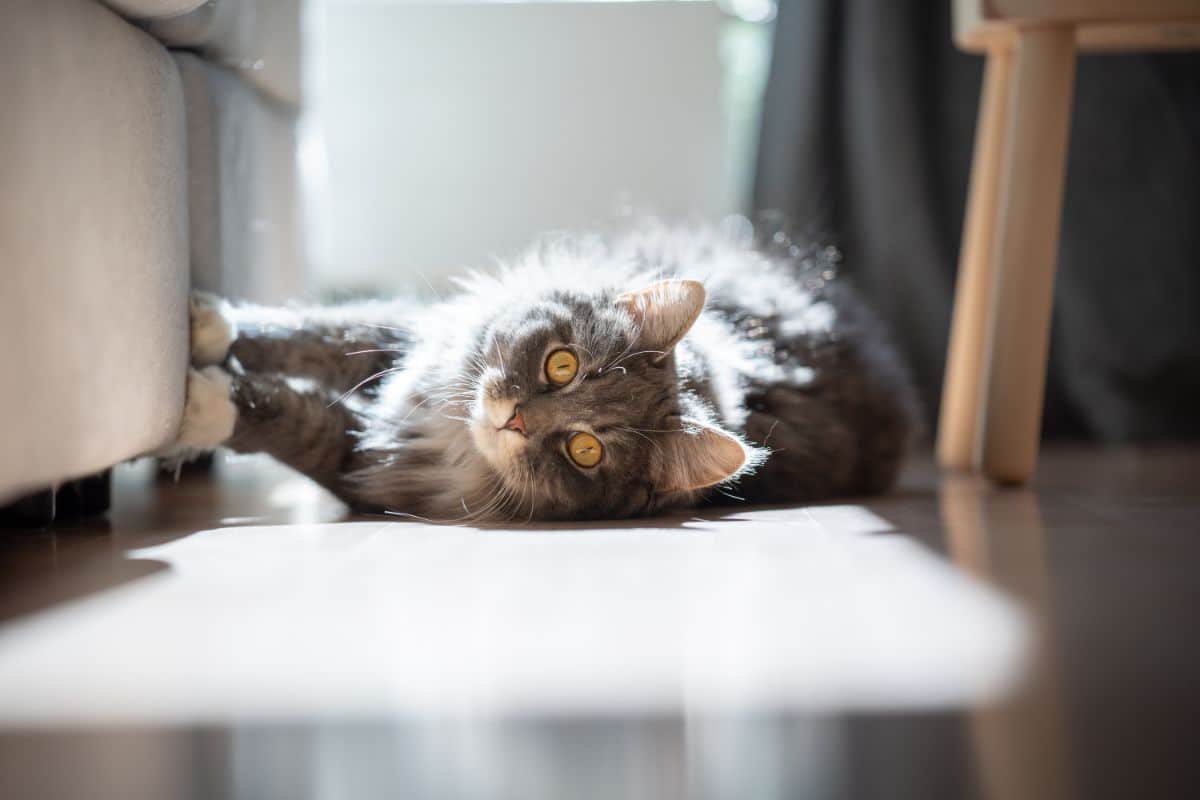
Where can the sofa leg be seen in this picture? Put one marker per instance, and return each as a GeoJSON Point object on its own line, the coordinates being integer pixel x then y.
{"type": "Point", "coordinates": [34, 510]}
{"type": "Point", "coordinates": [86, 497]}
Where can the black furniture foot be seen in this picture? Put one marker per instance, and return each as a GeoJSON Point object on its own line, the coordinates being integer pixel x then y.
{"type": "Point", "coordinates": [84, 497]}
{"type": "Point", "coordinates": [34, 510]}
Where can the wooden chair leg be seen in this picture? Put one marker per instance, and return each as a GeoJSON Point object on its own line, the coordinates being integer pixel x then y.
{"type": "Point", "coordinates": [962, 386]}
{"type": "Point", "coordinates": [1026, 250]}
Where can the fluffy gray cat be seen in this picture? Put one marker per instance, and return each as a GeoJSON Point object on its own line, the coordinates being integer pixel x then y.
{"type": "Point", "coordinates": [590, 379]}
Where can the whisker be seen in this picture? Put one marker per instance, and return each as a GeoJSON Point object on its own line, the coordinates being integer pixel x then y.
{"type": "Point", "coordinates": [384, 327]}
{"type": "Point", "coordinates": [389, 512]}
{"type": "Point", "coordinates": [772, 430]}
{"type": "Point", "coordinates": [500, 356]}
{"type": "Point", "coordinates": [632, 341]}
{"type": "Point", "coordinates": [412, 410]}
{"type": "Point", "coordinates": [361, 383]}
{"type": "Point", "coordinates": [532, 495]}
{"type": "Point", "coordinates": [638, 353]}
{"type": "Point", "coordinates": [375, 350]}
{"type": "Point", "coordinates": [457, 521]}
{"type": "Point", "coordinates": [636, 432]}
{"type": "Point", "coordinates": [436, 293]}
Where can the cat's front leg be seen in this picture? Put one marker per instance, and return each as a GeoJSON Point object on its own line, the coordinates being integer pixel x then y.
{"type": "Point", "coordinates": [339, 347]}
{"type": "Point", "coordinates": [297, 426]}
{"type": "Point", "coordinates": [253, 413]}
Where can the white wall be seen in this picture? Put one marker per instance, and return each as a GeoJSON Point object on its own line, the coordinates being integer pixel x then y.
{"type": "Point", "coordinates": [457, 131]}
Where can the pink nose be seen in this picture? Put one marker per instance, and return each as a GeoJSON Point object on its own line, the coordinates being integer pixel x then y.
{"type": "Point", "coordinates": [516, 423]}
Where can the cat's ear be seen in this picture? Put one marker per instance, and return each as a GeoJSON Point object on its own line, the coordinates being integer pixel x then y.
{"type": "Point", "coordinates": [698, 456]}
{"type": "Point", "coordinates": [664, 312]}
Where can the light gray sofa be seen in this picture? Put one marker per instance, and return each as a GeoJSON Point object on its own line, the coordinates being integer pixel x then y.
{"type": "Point", "coordinates": [130, 171]}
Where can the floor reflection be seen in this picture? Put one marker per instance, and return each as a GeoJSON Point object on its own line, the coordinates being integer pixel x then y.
{"type": "Point", "coordinates": [852, 651]}
{"type": "Point", "coordinates": [1020, 743]}
{"type": "Point", "coordinates": [823, 757]}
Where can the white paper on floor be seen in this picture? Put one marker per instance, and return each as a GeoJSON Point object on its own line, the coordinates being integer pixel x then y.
{"type": "Point", "coordinates": [800, 609]}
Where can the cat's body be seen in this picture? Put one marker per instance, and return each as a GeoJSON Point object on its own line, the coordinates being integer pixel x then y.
{"type": "Point", "coordinates": [585, 381]}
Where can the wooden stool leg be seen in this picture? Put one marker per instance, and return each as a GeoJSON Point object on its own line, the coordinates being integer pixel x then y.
{"type": "Point", "coordinates": [962, 386]}
{"type": "Point", "coordinates": [1025, 250]}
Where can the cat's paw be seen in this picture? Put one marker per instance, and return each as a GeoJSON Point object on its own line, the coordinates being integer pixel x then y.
{"type": "Point", "coordinates": [212, 328]}
{"type": "Point", "coordinates": [209, 415]}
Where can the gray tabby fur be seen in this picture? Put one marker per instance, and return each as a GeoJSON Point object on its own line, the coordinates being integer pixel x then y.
{"type": "Point", "coordinates": [387, 403]}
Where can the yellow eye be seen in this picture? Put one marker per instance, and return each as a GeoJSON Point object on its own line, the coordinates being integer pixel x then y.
{"type": "Point", "coordinates": [561, 366]}
{"type": "Point", "coordinates": [585, 449]}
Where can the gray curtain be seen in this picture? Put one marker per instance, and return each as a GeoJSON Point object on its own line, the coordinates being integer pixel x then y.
{"type": "Point", "coordinates": [866, 141]}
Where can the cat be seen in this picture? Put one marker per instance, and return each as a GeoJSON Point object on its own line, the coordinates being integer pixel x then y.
{"type": "Point", "coordinates": [590, 379]}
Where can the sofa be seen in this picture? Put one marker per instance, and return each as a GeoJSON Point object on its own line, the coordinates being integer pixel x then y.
{"type": "Point", "coordinates": [146, 147]}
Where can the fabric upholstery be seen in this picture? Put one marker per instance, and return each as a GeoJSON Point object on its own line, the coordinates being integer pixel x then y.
{"type": "Point", "coordinates": [259, 39]}
{"type": "Point", "coordinates": [93, 242]}
{"type": "Point", "coordinates": [152, 9]}
{"type": "Point", "coordinates": [241, 175]}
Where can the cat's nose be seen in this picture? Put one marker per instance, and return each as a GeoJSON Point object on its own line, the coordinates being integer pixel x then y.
{"type": "Point", "coordinates": [516, 422]}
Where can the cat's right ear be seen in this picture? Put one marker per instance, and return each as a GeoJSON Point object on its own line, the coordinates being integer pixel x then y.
{"type": "Point", "coordinates": [664, 312]}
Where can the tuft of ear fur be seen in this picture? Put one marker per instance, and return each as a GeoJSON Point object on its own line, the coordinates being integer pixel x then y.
{"type": "Point", "coordinates": [665, 311]}
{"type": "Point", "coordinates": [699, 456]}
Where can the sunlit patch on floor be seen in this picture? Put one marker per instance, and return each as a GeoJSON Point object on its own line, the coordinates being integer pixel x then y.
{"type": "Point", "coordinates": [807, 609]}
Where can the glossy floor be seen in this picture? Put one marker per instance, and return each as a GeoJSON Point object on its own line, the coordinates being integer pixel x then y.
{"type": "Point", "coordinates": [238, 635]}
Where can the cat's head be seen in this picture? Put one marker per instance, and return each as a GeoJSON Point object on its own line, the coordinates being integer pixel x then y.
{"type": "Point", "coordinates": [578, 410]}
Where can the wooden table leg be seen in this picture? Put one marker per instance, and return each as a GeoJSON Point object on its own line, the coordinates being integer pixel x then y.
{"type": "Point", "coordinates": [962, 386]}
{"type": "Point", "coordinates": [1026, 250]}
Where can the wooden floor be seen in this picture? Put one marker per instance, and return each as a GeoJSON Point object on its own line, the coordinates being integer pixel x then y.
{"type": "Point", "coordinates": [238, 635]}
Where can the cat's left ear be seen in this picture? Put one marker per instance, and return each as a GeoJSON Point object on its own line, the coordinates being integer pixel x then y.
{"type": "Point", "coordinates": [700, 455]}
{"type": "Point", "coordinates": [665, 311]}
